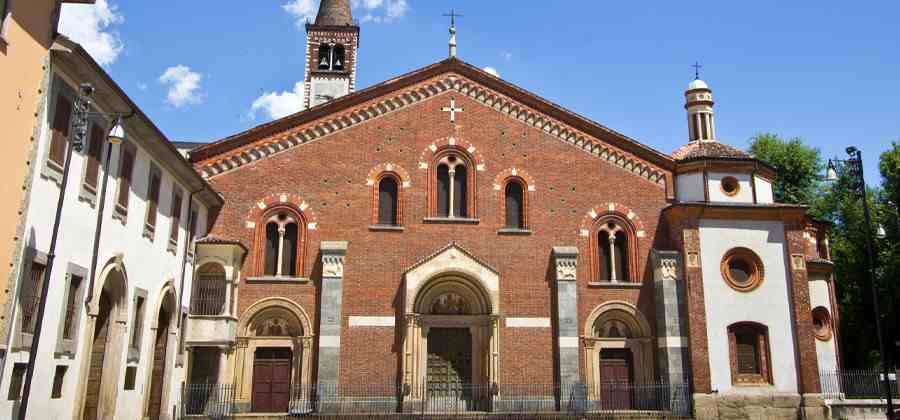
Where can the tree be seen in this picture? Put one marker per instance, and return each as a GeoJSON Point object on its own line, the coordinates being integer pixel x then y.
{"type": "Point", "coordinates": [799, 167]}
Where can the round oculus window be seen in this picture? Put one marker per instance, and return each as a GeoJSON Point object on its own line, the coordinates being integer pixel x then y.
{"type": "Point", "coordinates": [822, 323]}
{"type": "Point", "coordinates": [742, 269]}
{"type": "Point", "coordinates": [730, 186]}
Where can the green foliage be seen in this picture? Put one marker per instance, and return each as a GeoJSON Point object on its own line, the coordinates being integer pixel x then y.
{"type": "Point", "coordinates": [799, 167]}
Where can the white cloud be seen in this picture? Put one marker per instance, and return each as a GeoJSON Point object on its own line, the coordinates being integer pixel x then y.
{"type": "Point", "coordinates": [303, 10]}
{"type": "Point", "coordinates": [184, 86]}
{"type": "Point", "coordinates": [92, 26]}
{"type": "Point", "coordinates": [142, 86]}
{"type": "Point", "coordinates": [492, 71]}
{"type": "Point", "coordinates": [506, 55]}
{"type": "Point", "coordinates": [279, 104]}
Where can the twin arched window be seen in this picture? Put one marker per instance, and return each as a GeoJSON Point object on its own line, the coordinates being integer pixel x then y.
{"type": "Point", "coordinates": [452, 187]}
{"type": "Point", "coordinates": [281, 253]}
{"type": "Point", "coordinates": [332, 57]}
{"type": "Point", "coordinates": [614, 241]}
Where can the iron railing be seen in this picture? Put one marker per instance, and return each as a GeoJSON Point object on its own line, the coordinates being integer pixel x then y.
{"type": "Point", "coordinates": [856, 384]}
{"type": "Point", "coordinates": [208, 401]}
{"type": "Point", "coordinates": [512, 401]}
{"type": "Point", "coordinates": [209, 295]}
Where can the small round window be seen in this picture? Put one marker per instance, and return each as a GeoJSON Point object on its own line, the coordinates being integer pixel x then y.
{"type": "Point", "coordinates": [822, 323]}
{"type": "Point", "coordinates": [730, 186]}
{"type": "Point", "coordinates": [742, 269]}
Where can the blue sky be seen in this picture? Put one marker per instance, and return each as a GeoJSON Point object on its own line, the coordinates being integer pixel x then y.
{"type": "Point", "coordinates": [827, 71]}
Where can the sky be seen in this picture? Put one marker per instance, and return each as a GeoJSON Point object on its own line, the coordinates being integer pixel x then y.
{"type": "Point", "coordinates": [825, 71]}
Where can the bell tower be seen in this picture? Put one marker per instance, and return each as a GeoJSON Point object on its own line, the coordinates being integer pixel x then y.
{"type": "Point", "coordinates": [699, 105]}
{"type": "Point", "coordinates": [332, 42]}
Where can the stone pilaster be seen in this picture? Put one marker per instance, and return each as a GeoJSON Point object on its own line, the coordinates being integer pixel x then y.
{"type": "Point", "coordinates": [670, 324]}
{"type": "Point", "coordinates": [333, 254]}
{"type": "Point", "coordinates": [566, 261]}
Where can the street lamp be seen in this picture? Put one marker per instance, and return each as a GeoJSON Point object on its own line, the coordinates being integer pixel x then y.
{"type": "Point", "coordinates": [81, 117]}
{"type": "Point", "coordinates": [853, 168]}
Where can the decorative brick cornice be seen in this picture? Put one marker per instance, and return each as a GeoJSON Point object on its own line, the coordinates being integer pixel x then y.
{"type": "Point", "coordinates": [500, 179]}
{"type": "Point", "coordinates": [426, 158]}
{"type": "Point", "coordinates": [389, 167]}
{"type": "Point", "coordinates": [449, 76]}
{"type": "Point", "coordinates": [282, 199]}
{"type": "Point", "coordinates": [619, 209]}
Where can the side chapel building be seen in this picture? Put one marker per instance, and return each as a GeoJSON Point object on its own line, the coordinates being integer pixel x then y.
{"type": "Point", "coordinates": [447, 226]}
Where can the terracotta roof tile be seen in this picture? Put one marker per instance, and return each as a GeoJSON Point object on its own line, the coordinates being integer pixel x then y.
{"type": "Point", "coordinates": [709, 150]}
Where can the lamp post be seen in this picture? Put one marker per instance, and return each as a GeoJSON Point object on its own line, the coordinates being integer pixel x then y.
{"type": "Point", "coordinates": [116, 135]}
{"type": "Point", "coordinates": [853, 168]}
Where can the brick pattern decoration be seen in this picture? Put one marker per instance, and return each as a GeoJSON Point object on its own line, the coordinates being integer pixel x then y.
{"type": "Point", "coordinates": [808, 369]}
{"type": "Point", "coordinates": [526, 181]}
{"type": "Point", "coordinates": [330, 177]}
{"type": "Point", "coordinates": [686, 236]}
{"type": "Point", "coordinates": [400, 176]}
{"type": "Point", "coordinates": [329, 124]}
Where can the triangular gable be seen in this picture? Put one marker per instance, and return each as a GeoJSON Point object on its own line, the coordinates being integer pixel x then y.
{"type": "Point", "coordinates": [448, 75]}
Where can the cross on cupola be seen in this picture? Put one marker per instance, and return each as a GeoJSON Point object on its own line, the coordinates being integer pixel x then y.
{"type": "Point", "coordinates": [452, 109]}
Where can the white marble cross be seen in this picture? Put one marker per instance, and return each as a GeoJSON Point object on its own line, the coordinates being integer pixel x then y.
{"type": "Point", "coordinates": [452, 109]}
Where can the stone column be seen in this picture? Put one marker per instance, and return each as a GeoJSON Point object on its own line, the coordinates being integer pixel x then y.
{"type": "Point", "coordinates": [566, 260]}
{"type": "Point", "coordinates": [670, 325]}
{"type": "Point", "coordinates": [333, 254]}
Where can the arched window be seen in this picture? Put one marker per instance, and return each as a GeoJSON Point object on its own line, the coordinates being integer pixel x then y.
{"type": "Point", "coordinates": [452, 184]}
{"type": "Point", "coordinates": [210, 291]}
{"type": "Point", "coordinates": [748, 344]}
{"type": "Point", "coordinates": [613, 252]}
{"type": "Point", "coordinates": [282, 244]}
{"type": "Point", "coordinates": [324, 62]}
{"type": "Point", "coordinates": [515, 205]}
{"type": "Point", "coordinates": [388, 202]}
{"type": "Point", "coordinates": [338, 59]}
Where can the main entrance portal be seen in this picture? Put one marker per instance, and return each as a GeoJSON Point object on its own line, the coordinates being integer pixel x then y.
{"type": "Point", "coordinates": [272, 380]}
{"type": "Point", "coordinates": [449, 359]}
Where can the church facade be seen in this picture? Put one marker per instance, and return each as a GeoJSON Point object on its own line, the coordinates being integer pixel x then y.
{"type": "Point", "coordinates": [447, 227]}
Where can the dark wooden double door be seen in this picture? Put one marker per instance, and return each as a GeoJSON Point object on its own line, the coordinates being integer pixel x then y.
{"type": "Point", "coordinates": [272, 380]}
{"type": "Point", "coordinates": [616, 379]}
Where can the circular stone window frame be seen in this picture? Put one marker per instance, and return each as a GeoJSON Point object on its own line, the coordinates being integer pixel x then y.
{"type": "Point", "coordinates": [827, 332]}
{"type": "Point", "coordinates": [735, 184]}
{"type": "Point", "coordinates": [752, 259]}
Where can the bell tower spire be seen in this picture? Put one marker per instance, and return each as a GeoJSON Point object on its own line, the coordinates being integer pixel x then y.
{"type": "Point", "coordinates": [699, 105]}
{"type": "Point", "coordinates": [332, 42]}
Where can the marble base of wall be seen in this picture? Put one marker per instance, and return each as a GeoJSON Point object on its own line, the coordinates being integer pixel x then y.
{"type": "Point", "coordinates": [856, 409]}
{"type": "Point", "coordinates": [768, 406]}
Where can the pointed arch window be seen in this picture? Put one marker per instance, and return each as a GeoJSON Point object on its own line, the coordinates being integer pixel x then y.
{"type": "Point", "coordinates": [388, 201]}
{"type": "Point", "coordinates": [614, 245]}
{"type": "Point", "coordinates": [280, 244]}
{"type": "Point", "coordinates": [514, 204]}
{"type": "Point", "coordinates": [453, 184]}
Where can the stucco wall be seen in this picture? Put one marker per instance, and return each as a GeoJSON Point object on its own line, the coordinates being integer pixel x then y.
{"type": "Point", "coordinates": [690, 187]}
{"type": "Point", "coordinates": [148, 264]}
{"type": "Point", "coordinates": [24, 42]}
{"type": "Point", "coordinates": [766, 305]}
{"type": "Point", "coordinates": [744, 194]}
{"type": "Point", "coordinates": [825, 350]}
{"type": "Point", "coordinates": [764, 193]}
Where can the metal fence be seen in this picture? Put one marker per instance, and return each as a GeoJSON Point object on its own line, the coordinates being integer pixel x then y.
{"type": "Point", "coordinates": [510, 401]}
{"type": "Point", "coordinates": [208, 401]}
{"type": "Point", "coordinates": [856, 384]}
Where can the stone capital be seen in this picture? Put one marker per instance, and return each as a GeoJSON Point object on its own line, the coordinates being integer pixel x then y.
{"type": "Point", "coordinates": [566, 260]}
{"type": "Point", "coordinates": [666, 265]}
{"type": "Point", "coordinates": [333, 255]}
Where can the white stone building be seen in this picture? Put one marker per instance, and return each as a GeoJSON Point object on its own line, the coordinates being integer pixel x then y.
{"type": "Point", "coordinates": [109, 348]}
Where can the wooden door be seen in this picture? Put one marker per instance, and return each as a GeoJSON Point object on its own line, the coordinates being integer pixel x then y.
{"type": "Point", "coordinates": [449, 358]}
{"type": "Point", "coordinates": [272, 380]}
{"type": "Point", "coordinates": [157, 376]}
{"type": "Point", "coordinates": [98, 354]}
{"type": "Point", "coordinates": [616, 375]}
